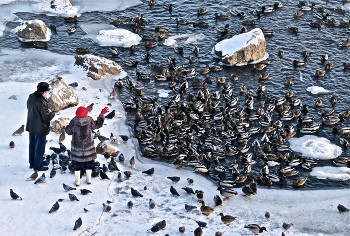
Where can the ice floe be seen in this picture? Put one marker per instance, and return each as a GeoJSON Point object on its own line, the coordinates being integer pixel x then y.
{"type": "Point", "coordinates": [330, 172]}
{"type": "Point", "coordinates": [316, 90]}
{"type": "Point", "coordinates": [178, 40]}
{"type": "Point", "coordinates": [315, 147]}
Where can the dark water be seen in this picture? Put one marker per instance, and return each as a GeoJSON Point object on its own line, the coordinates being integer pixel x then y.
{"type": "Point", "coordinates": [318, 42]}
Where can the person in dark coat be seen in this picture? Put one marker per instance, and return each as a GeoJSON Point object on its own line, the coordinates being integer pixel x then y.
{"type": "Point", "coordinates": [38, 123]}
{"type": "Point", "coordinates": [83, 151]}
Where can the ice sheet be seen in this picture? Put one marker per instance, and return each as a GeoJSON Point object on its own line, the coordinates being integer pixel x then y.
{"type": "Point", "coordinates": [178, 40]}
{"type": "Point", "coordinates": [315, 147]}
{"type": "Point", "coordinates": [316, 90]}
{"type": "Point", "coordinates": [333, 173]}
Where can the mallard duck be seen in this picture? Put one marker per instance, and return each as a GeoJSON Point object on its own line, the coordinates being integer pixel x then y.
{"type": "Point", "coordinates": [195, 49]}
{"type": "Point", "coordinates": [227, 219]}
{"type": "Point", "coordinates": [280, 53]}
{"type": "Point", "coordinates": [327, 112]}
{"type": "Point", "coordinates": [138, 91]}
{"type": "Point", "coordinates": [71, 19]}
{"type": "Point", "coordinates": [152, 2]}
{"type": "Point", "coordinates": [247, 190]}
{"type": "Point", "coordinates": [318, 102]}
{"type": "Point", "coordinates": [82, 50]}
{"type": "Point", "coordinates": [254, 187]}
{"type": "Point", "coordinates": [150, 45]}
{"type": "Point", "coordinates": [277, 5]}
{"type": "Point", "coordinates": [344, 24]}
{"type": "Point", "coordinates": [330, 22]}
{"type": "Point", "coordinates": [201, 11]}
{"type": "Point", "coordinates": [161, 36]}
{"type": "Point", "coordinates": [320, 73]}
{"type": "Point", "coordinates": [192, 59]}
{"type": "Point", "coordinates": [53, 28]}
{"type": "Point", "coordinates": [329, 66]}
{"type": "Point", "coordinates": [346, 66]}
{"type": "Point", "coordinates": [307, 8]}
{"type": "Point", "coordinates": [217, 200]}
{"type": "Point", "coordinates": [200, 195]}
{"type": "Point", "coordinates": [221, 17]}
{"type": "Point", "coordinates": [256, 229]}
{"type": "Point", "coordinates": [221, 80]}
{"type": "Point", "coordinates": [298, 63]}
{"type": "Point", "coordinates": [305, 54]}
{"type": "Point", "coordinates": [116, 23]}
{"type": "Point", "coordinates": [40, 44]}
{"type": "Point", "coordinates": [148, 37]}
{"type": "Point", "coordinates": [200, 24]}
{"type": "Point", "coordinates": [299, 182]}
{"type": "Point", "coordinates": [131, 63]}
{"type": "Point", "coordinates": [289, 94]}
{"type": "Point", "coordinates": [237, 13]}
{"type": "Point", "coordinates": [198, 232]}
{"type": "Point", "coordinates": [346, 43]}
{"type": "Point", "coordinates": [298, 14]}
{"type": "Point", "coordinates": [227, 192]}
{"type": "Point", "coordinates": [267, 10]}
{"type": "Point", "coordinates": [179, 50]}
{"type": "Point", "coordinates": [161, 29]}
{"type": "Point", "coordinates": [181, 22]}
{"type": "Point", "coordinates": [293, 29]}
{"type": "Point", "coordinates": [344, 114]}
{"type": "Point", "coordinates": [72, 30]}
{"type": "Point", "coordinates": [168, 7]}
{"type": "Point", "coordinates": [340, 10]}
{"type": "Point", "coordinates": [333, 100]}
{"type": "Point", "coordinates": [259, 66]}
{"type": "Point", "coordinates": [206, 210]}
{"type": "Point", "coordinates": [114, 51]}
{"type": "Point", "coordinates": [248, 22]}
{"type": "Point", "coordinates": [132, 48]}
{"type": "Point", "coordinates": [240, 180]}
{"type": "Point", "coordinates": [263, 76]}
{"type": "Point", "coordinates": [288, 82]}
{"type": "Point", "coordinates": [223, 30]}
{"type": "Point", "coordinates": [315, 24]}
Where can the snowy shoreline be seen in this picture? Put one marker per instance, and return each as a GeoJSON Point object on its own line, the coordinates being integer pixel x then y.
{"type": "Point", "coordinates": [291, 206]}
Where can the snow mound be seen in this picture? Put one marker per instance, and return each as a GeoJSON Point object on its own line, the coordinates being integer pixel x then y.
{"type": "Point", "coordinates": [163, 93]}
{"type": "Point", "coordinates": [315, 147]}
{"type": "Point", "coordinates": [316, 90]}
{"type": "Point", "coordinates": [175, 41]}
{"type": "Point", "coordinates": [58, 7]}
{"type": "Point", "coordinates": [333, 173]}
{"type": "Point", "coordinates": [118, 38]}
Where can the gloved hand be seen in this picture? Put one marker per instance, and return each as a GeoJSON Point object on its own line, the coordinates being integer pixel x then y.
{"type": "Point", "coordinates": [105, 110]}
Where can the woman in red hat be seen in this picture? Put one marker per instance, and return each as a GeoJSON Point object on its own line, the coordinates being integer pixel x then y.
{"type": "Point", "coordinates": [83, 151]}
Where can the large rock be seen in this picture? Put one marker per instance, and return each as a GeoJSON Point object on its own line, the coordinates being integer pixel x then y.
{"type": "Point", "coordinates": [97, 66]}
{"type": "Point", "coordinates": [33, 30]}
{"type": "Point", "coordinates": [242, 48]}
{"type": "Point", "coordinates": [62, 95]}
{"type": "Point", "coordinates": [104, 147]}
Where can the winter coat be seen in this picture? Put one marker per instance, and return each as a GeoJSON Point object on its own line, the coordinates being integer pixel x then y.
{"type": "Point", "coordinates": [82, 145]}
{"type": "Point", "coordinates": [38, 117]}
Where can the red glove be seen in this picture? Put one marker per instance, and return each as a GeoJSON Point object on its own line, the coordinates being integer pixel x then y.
{"type": "Point", "coordinates": [105, 110]}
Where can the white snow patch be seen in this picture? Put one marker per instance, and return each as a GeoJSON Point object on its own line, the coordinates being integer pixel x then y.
{"type": "Point", "coordinates": [163, 93]}
{"type": "Point", "coordinates": [316, 90]}
{"type": "Point", "coordinates": [330, 172]}
{"type": "Point", "coordinates": [118, 38]}
{"type": "Point", "coordinates": [315, 147]}
{"type": "Point", "coordinates": [62, 8]}
{"type": "Point", "coordinates": [177, 40]}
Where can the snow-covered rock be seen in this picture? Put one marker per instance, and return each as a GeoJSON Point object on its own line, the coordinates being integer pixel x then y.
{"type": "Point", "coordinates": [242, 48]}
{"type": "Point", "coordinates": [118, 38]}
{"type": "Point", "coordinates": [58, 7]}
{"type": "Point", "coordinates": [33, 30]}
{"type": "Point", "coordinates": [103, 147]}
{"type": "Point", "coordinates": [58, 124]}
{"type": "Point", "coordinates": [316, 90]}
{"type": "Point", "coordinates": [97, 66]}
{"type": "Point", "coordinates": [61, 95]}
{"type": "Point", "coordinates": [315, 147]}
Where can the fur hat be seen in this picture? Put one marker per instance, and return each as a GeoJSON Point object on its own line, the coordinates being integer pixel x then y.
{"type": "Point", "coordinates": [42, 87]}
{"type": "Point", "coordinates": [81, 112]}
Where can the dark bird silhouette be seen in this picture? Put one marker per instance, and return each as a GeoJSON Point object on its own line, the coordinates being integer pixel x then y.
{"type": "Point", "coordinates": [127, 174]}
{"type": "Point", "coordinates": [55, 149]}
{"type": "Point", "coordinates": [85, 191]}
{"type": "Point", "coordinates": [190, 181]}
{"type": "Point", "coordinates": [19, 131]}
{"type": "Point", "coordinates": [62, 135]}
{"type": "Point", "coordinates": [41, 179]}
{"type": "Point", "coordinates": [74, 84]}
{"type": "Point", "coordinates": [342, 208]}
{"type": "Point", "coordinates": [124, 137]}
{"type": "Point", "coordinates": [182, 230]}
{"type": "Point", "coordinates": [77, 224]}
{"type": "Point", "coordinates": [90, 107]}
{"type": "Point", "coordinates": [53, 28]}
{"type": "Point", "coordinates": [106, 208]}
{"type": "Point", "coordinates": [72, 197]}
{"type": "Point", "coordinates": [86, 210]}
{"type": "Point", "coordinates": [189, 207]}
{"type": "Point", "coordinates": [162, 224]}
{"type": "Point", "coordinates": [12, 144]}
{"type": "Point", "coordinates": [121, 157]}
{"type": "Point", "coordinates": [267, 215]}
{"type": "Point", "coordinates": [130, 204]}
{"type": "Point", "coordinates": [110, 115]}
{"type": "Point", "coordinates": [175, 179]}
{"type": "Point", "coordinates": [52, 173]}
{"type": "Point", "coordinates": [55, 207]}
{"type": "Point", "coordinates": [201, 224]}
{"type": "Point", "coordinates": [62, 148]}
{"type": "Point", "coordinates": [136, 193]}
{"type": "Point", "coordinates": [152, 204]}
{"type": "Point", "coordinates": [198, 231]}
{"type": "Point", "coordinates": [188, 190]}
{"type": "Point", "coordinates": [286, 226]}
{"type": "Point", "coordinates": [155, 228]}
{"type": "Point", "coordinates": [149, 172]}
{"type": "Point", "coordinates": [67, 187]}
{"type": "Point", "coordinates": [103, 175]}
{"type": "Point", "coordinates": [173, 191]}
{"type": "Point", "coordinates": [14, 195]}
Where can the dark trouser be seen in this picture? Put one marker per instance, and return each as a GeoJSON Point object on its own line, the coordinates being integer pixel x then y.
{"type": "Point", "coordinates": [88, 165]}
{"type": "Point", "coordinates": [36, 150]}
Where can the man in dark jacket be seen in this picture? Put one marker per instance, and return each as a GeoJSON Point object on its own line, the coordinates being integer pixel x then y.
{"type": "Point", "coordinates": [38, 123]}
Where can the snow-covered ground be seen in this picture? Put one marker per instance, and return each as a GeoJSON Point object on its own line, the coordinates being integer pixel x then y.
{"type": "Point", "coordinates": [311, 212]}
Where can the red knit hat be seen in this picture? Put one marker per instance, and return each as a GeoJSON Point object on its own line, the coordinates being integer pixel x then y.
{"type": "Point", "coordinates": [81, 112]}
